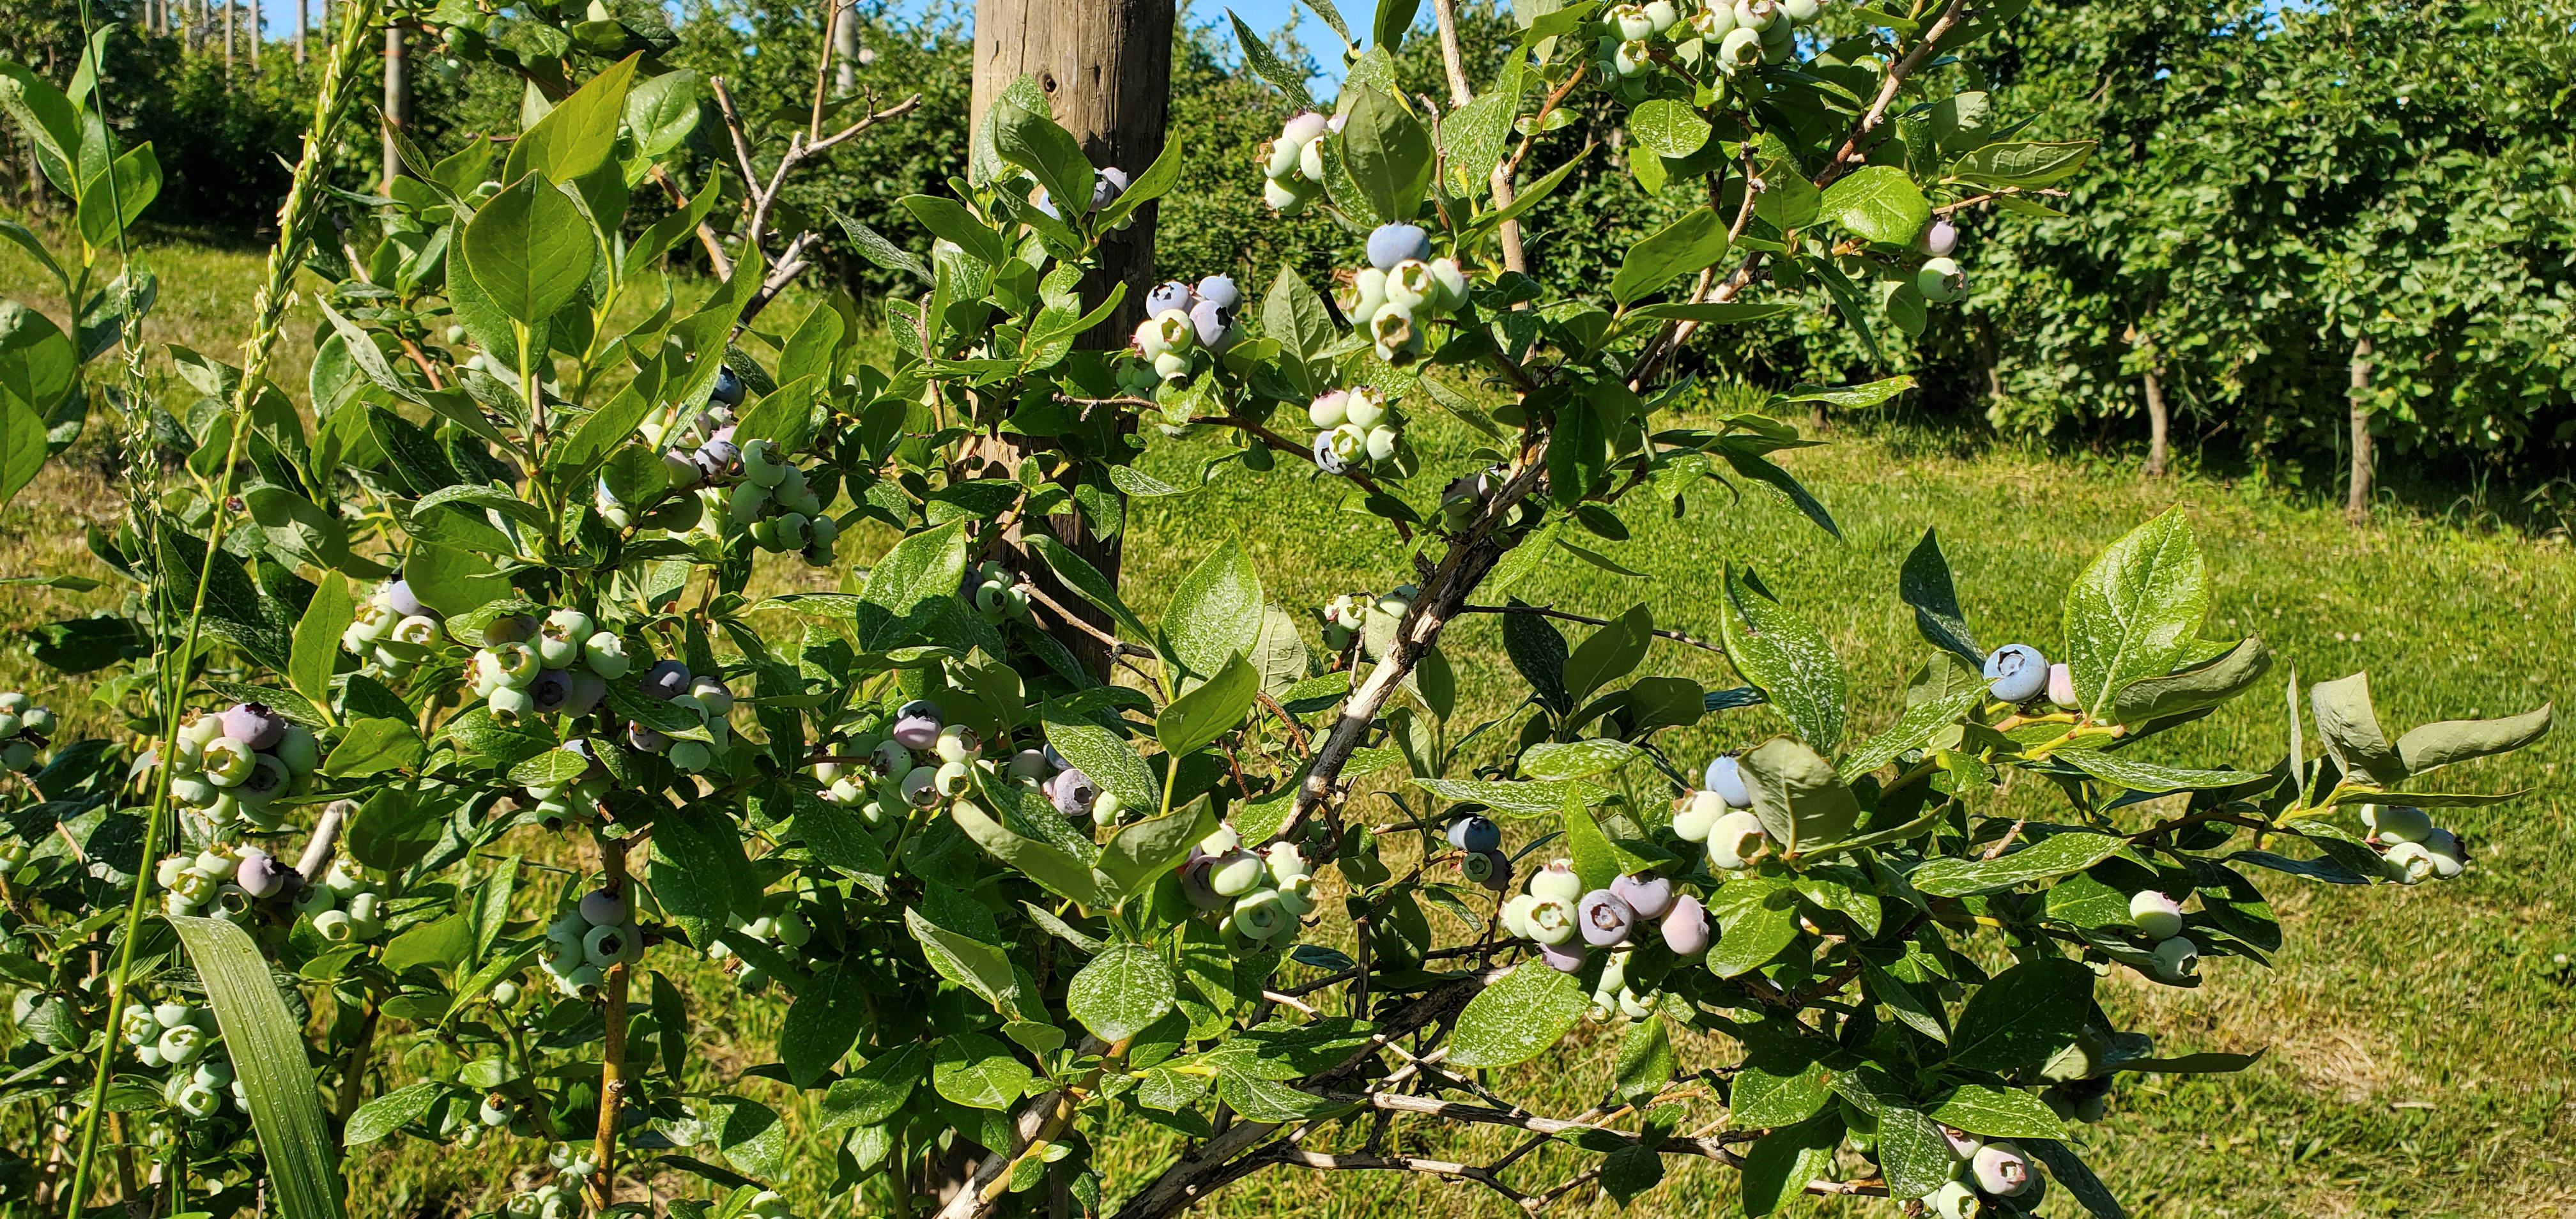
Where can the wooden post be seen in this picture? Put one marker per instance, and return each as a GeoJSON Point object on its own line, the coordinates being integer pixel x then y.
{"type": "Point", "coordinates": [2357, 504]}
{"type": "Point", "coordinates": [2159, 420]}
{"type": "Point", "coordinates": [397, 102]}
{"type": "Point", "coordinates": [255, 38]}
{"type": "Point", "coordinates": [229, 6]}
{"type": "Point", "coordinates": [1105, 67]}
{"type": "Point", "coordinates": [299, 32]}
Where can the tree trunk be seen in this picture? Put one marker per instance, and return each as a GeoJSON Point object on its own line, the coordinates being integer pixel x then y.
{"type": "Point", "coordinates": [254, 35]}
{"type": "Point", "coordinates": [229, 6]}
{"type": "Point", "coordinates": [299, 32]}
{"type": "Point", "coordinates": [1105, 67]}
{"type": "Point", "coordinates": [2159, 426]}
{"type": "Point", "coordinates": [845, 49]}
{"type": "Point", "coordinates": [397, 102]}
{"type": "Point", "coordinates": [2357, 504]}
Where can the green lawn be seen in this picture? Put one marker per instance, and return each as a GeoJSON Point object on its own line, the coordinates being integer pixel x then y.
{"type": "Point", "coordinates": [2420, 1043]}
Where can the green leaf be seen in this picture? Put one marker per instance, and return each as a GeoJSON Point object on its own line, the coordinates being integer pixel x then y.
{"type": "Point", "coordinates": [2047, 859]}
{"type": "Point", "coordinates": [1798, 795]}
{"type": "Point", "coordinates": [1668, 128]}
{"type": "Point", "coordinates": [1516, 800]}
{"type": "Point", "coordinates": [2132, 615]}
{"type": "Point", "coordinates": [2077, 1179]}
{"type": "Point", "coordinates": [530, 250]}
{"type": "Point", "coordinates": [1690, 244]}
{"type": "Point", "coordinates": [1924, 583]}
{"type": "Point", "coordinates": [1473, 137]}
{"type": "Point", "coordinates": [1521, 1016]}
{"type": "Point", "coordinates": [1577, 759]}
{"type": "Point", "coordinates": [1208, 711]}
{"type": "Point", "coordinates": [1769, 1092]}
{"type": "Point", "coordinates": [823, 1023]}
{"type": "Point", "coordinates": [966, 961]}
{"type": "Point", "coordinates": [374, 746]}
{"type": "Point", "coordinates": [661, 111]}
{"type": "Point", "coordinates": [1029, 138]}
{"type": "Point", "coordinates": [22, 440]}
{"type": "Point", "coordinates": [1912, 1153]}
{"type": "Point", "coordinates": [908, 590]}
{"type": "Point", "coordinates": [874, 1092]}
{"type": "Point", "coordinates": [1612, 652]}
{"type": "Point", "coordinates": [2023, 163]}
{"type": "Point", "coordinates": [1781, 1163]}
{"type": "Point", "coordinates": [575, 138]}
{"type": "Point", "coordinates": [1142, 851]}
{"type": "Point", "coordinates": [1387, 153]}
{"type": "Point", "coordinates": [1788, 659]}
{"type": "Point", "coordinates": [949, 219]}
{"type": "Point", "coordinates": [1645, 1061]}
{"type": "Point", "coordinates": [391, 1112]}
{"type": "Point", "coordinates": [1258, 56]}
{"type": "Point", "coordinates": [978, 1072]}
{"type": "Point", "coordinates": [1999, 1113]}
{"type": "Point", "coordinates": [2022, 1016]}
{"type": "Point", "coordinates": [698, 871]}
{"type": "Point", "coordinates": [317, 638]}
{"type": "Point", "coordinates": [267, 1048]}
{"type": "Point", "coordinates": [1942, 690]}
{"type": "Point", "coordinates": [2138, 776]}
{"type": "Point", "coordinates": [2192, 689]}
{"type": "Point", "coordinates": [1394, 17]}
{"type": "Point", "coordinates": [1124, 989]}
{"type": "Point", "coordinates": [452, 582]}
{"type": "Point", "coordinates": [1919, 1014]}
{"type": "Point", "coordinates": [1755, 929]}
{"type": "Point", "coordinates": [1079, 575]}
{"type": "Point", "coordinates": [1049, 865]}
{"type": "Point", "coordinates": [2436, 745]}
{"type": "Point", "coordinates": [105, 211]}
{"type": "Point", "coordinates": [1215, 611]}
{"type": "Point", "coordinates": [1880, 204]}
{"type": "Point", "coordinates": [2346, 719]}
{"type": "Point", "coordinates": [1099, 754]}
{"type": "Point", "coordinates": [1712, 313]}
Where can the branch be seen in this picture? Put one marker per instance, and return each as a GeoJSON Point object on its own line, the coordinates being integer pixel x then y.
{"type": "Point", "coordinates": [1284, 1154]}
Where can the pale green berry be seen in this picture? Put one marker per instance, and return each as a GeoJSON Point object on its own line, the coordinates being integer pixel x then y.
{"type": "Point", "coordinates": [1558, 882]}
{"type": "Point", "coordinates": [1698, 815]}
{"type": "Point", "coordinates": [2155, 915]}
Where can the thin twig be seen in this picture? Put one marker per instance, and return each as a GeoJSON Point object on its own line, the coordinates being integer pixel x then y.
{"type": "Point", "coordinates": [1588, 620]}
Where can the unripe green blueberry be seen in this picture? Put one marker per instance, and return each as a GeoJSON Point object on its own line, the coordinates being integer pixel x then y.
{"type": "Point", "coordinates": [1392, 329]}
{"type": "Point", "coordinates": [1954, 1200]}
{"type": "Point", "coordinates": [2155, 915]}
{"type": "Point", "coordinates": [1779, 42]}
{"type": "Point", "coordinates": [1412, 285]}
{"type": "Point", "coordinates": [1557, 881]}
{"type": "Point", "coordinates": [505, 993]}
{"type": "Point", "coordinates": [1451, 280]}
{"type": "Point", "coordinates": [2177, 959]}
{"type": "Point", "coordinates": [1550, 919]}
{"type": "Point", "coordinates": [9, 724]}
{"type": "Point", "coordinates": [1698, 815]}
{"type": "Point", "coordinates": [2409, 863]}
{"type": "Point", "coordinates": [1165, 333]}
{"type": "Point", "coordinates": [14, 701]}
{"type": "Point", "coordinates": [1285, 200]}
{"type": "Point", "coordinates": [335, 926]}
{"type": "Point", "coordinates": [1712, 23]}
{"type": "Point", "coordinates": [958, 743]}
{"type": "Point", "coordinates": [954, 779]}
{"type": "Point", "coordinates": [605, 655]}
{"type": "Point", "coordinates": [1801, 11]}
{"type": "Point", "coordinates": [1662, 15]}
{"type": "Point", "coordinates": [604, 946]}
{"type": "Point", "coordinates": [1515, 915]}
{"type": "Point", "coordinates": [19, 755]}
{"type": "Point", "coordinates": [1631, 22]}
{"type": "Point", "coordinates": [1740, 49]}
{"type": "Point", "coordinates": [1632, 59]}
{"type": "Point", "coordinates": [1941, 281]}
{"type": "Point", "coordinates": [1365, 407]}
{"type": "Point", "coordinates": [1755, 15]}
{"type": "Point", "coordinates": [2444, 848]}
{"type": "Point", "coordinates": [1259, 915]}
{"type": "Point", "coordinates": [510, 705]}
{"type": "Point", "coordinates": [690, 757]}
{"type": "Point", "coordinates": [299, 749]}
{"type": "Point", "coordinates": [2397, 822]}
{"type": "Point", "coordinates": [584, 983]}
{"type": "Point", "coordinates": [363, 921]}
{"type": "Point", "coordinates": [1235, 873]}
{"type": "Point", "coordinates": [1381, 443]}
{"type": "Point", "coordinates": [1734, 840]}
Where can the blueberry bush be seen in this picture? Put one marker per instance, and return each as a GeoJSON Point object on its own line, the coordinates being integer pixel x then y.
{"type": "Point", "coordinates": [476, 646]}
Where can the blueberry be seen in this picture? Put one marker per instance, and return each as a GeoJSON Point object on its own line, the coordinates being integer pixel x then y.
{"type": "Point", "coordinates": [1740, 49]}
{"type": "Point", "coordinates": [254, 724]}
{"type": "Point", "coordinates": [398, 598]}
{"type": "Point", "coordinates": [551, 692]}
{"type": "Point", "coordinates": [1726, 777]}
{"type": "Point", "coordinates": [1632, 22]}
{"type": "Point", "coordinates": [1213, 324]}
{"type": "Point", "coordinates": [1394, 243]}
{"type": "Point", "coordinates": [2002, 1170]}
{"type": "Point", "coordinates": [1603, 918]}
{"type": "Point", "coordinates": [2017, 673]}
{"type": "Point", "coordinates": [1685, 926]}
{"type": "Point", "coordinates": [2159, 917]}
{"type": "Point", "coordinates": [1492, 869]}
{"type": "Point", "coordinates": [1564, 958]}
{"type": "Point", "coordinates": [1941, 281]}
{"type": "Point", "coordinates": [1220, 290]}
{"type": "Point", "coordinates": [728, 388]}
{"type": "Point", "coordinates": [2061, 686]}
{"type": "Point", "coordinates": [1474, 833]}
{"type": "Point", "coordinates": [1169, 295]}
{"type": "Point", "coordinates": [917, 731]}
{"type": "Point", "coordinates": [1734, 840]}
{"type": "Point", "coordinates": [1646, 893]}
{"type": "Point", "coordinates": [666, 680]}
{"type": "Point", "coordinates": [2178, 959]}
{"type": "Point", "coordinates": [261, 875]}
{"type": "Point", "coordinates": [1557, 881]}
{"type": "Point", "coordinates": [2386, 822]}
{"type": "Point", "coordinates": [1106, 186]}
{"type": "Point", "coordinates": [1072, 792]}
{"type": "Point", "coordinates": [1939, 238]}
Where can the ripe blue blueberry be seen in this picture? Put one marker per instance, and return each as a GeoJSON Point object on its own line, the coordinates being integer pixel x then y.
{"type": "Point", "coordinates": [1221, 290]}
{"type": "Point", "coordinates": [254, 724]}
{"type": "Point", "coordinates": [2017, 673]}
{"type": "Point", "coordinates": [1939, 238]}
{"type": "Point", "coordinates": [1685, 926]}
{"type": "Point", "coordinates": [398, 598]}
{"type": "Point", "coordinates": [1564, 957]}
{"type": "Point", "coordinates": [1474, 833]}
{"type": "Point", "coordinates": [1172, 294]}
{"type": "Point", "coordinates": [1603, 918]}
{"type": "Point", "coordinates": [551, 691]}
{"type": "Point", "coordinates": [1106, 185]}
{"type": "Point", "coordinates": [1394, 243]}
{"type": "Point", "coordinates": [1213, 323]}
{"type": "Point", "coordinates": [1646, 893]}
{"type": "Point", "coordinates": [666, 680]}
{"type": "Point", "coordinates": [728, 388]}
{"type": "Point", "coordinates": [1726, 777]}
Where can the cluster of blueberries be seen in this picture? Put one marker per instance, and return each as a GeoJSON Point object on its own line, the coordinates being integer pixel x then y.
{"type": "Point", "coordinates": [583, 942]}
{"type": "Point", "coordinates": [182, 1039]}
{"type": "Point", "coordinates": [24, 731]}
{"type": "Point", "coordinates": [1346, 617]}
{"type": "Point", "coordinates": [1258, 897]}
{"type": "Point", "coordinates": [1740, 35]}
{"type": "Point", "coordinates": [1292, 165]}
{"type": "Point", "coordinates": [1985, 1169]}
{"type": "Point", "coordinates": [748, 487]}
{"type": "Point", "coordinates": [392, 631]}
{"type": "Point", "coordinates": [2411, 847]}
{"type": "Point", "coordinates": [235, 763]}
{"type": "Point", "coordinates": [994, 592]}
{"type": "Point", "coordinates": [780, 925]}
{"type": "Point", "coordinates": [1184, 322]}
{"type": "Point", "coordinates": [1354, 427]}
{"type": "Point", "coordinates": [1402, 290]}
{"type": "Point", "coordinates": [915, 759]}
{"type": "Point", "coordinates": [1106, 185]}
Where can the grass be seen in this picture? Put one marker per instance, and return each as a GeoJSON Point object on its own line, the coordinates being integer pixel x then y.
{"type": "Point", "coordinates": [2420, 1043]}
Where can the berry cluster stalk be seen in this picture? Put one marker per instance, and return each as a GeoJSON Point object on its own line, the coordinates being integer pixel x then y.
{"type": "Point", "coordinates": [294, 236]}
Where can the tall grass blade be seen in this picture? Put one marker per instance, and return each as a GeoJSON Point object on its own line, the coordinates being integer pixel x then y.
{"type": "Point", "coordinates": [267, 1045]}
